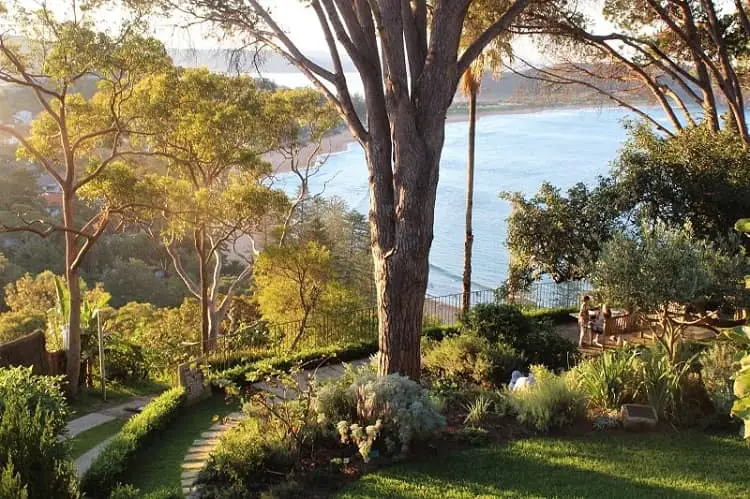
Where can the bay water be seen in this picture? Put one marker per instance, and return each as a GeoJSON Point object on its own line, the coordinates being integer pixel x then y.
{"type": "Point", "coordinates": [514, 152]}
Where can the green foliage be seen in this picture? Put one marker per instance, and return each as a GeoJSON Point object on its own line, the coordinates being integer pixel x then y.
{"type": "Point", "coordinates": [389, 411]}
{"type": "Point", "coordinates": [741, 408]}
{"type": "Point", "coordinates": [718, 366]}
{"type": "Point", "coordinates": [552, 402]}
{"type": "Point", "coordinates": [558, 236]}
{"type": "Point", "coordinates": [556, 315]}
{"type": "Point", "coordinates": [112, 463]}
{"type": "Point", "coordinates": [131, 492]}
{"type": "Point", "coordinates": [14, 325]}
{"type": "Point", "coordinates": [439, 333]}
{"type": "Point", "coordinates": [648, 271]}
{"type": "Point", "coordinates": [133, 280]}
{"type": "Point", "coordinates": [608, 380]}
{"type": "Point", "coordinates": [251, 367]}
{"type": "Point", "coordinates": [11, 485]}
{"type": "Point", "coordinates": [32, 419]}
{"type": "Point", "coordinates": [531, 336]}
{"type": "Point", "coordinates": [470, 358]}
{"type": "Point", "coordinates": [239, 465]}
{"type": "Point", "coordinates": [661, 381]}
{"type": "Point", "coordinates": [32, 294]}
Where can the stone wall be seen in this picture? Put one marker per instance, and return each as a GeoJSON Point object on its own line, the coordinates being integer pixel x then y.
{"type": "Point", "coordinates": [190, 376]}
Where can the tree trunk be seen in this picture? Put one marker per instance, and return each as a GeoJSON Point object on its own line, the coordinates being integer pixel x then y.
{"type": "Point", "coordinates": [73, 341]}
{"type": "Point", "coordinates": [203, 276]}
{"type": "Point", "coordinates": [469, 237]}
{"type": "Point", "coordinates": [401, 251]}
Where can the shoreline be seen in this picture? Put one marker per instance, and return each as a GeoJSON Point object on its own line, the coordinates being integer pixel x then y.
{"type": "Point", "coordinates": [339, 141]}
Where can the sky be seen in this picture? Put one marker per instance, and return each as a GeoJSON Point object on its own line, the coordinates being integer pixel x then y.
{"type": "Point", "coordinates": [299, 21]}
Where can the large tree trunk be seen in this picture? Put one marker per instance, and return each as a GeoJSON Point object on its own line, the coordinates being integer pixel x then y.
{"type": "Point", "coordinates": [469, 236]}
{"type": "Point", "coordinates": [73, 341]}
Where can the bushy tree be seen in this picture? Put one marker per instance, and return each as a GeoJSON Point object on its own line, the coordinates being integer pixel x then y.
{"type": "Point", "coordinates": [661, 274]}
{"type": "Point", "coordinates": [134, 281]}
{"type": "Point", "coordinates": [33, 413]}
{"type": "Point", "coordinates": [75, 138]}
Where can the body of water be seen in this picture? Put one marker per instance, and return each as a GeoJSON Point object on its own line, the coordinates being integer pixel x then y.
{"type": "Point", "coordinates": [514, 152]}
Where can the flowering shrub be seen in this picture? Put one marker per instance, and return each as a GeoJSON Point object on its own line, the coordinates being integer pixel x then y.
{"type": "Point", "coordinates": [391, 410]}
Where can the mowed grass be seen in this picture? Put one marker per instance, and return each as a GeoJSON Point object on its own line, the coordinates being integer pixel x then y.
{"type": "Point", "coordinates": [608, 465]}
{"type": "Point", "coordinates": [90, 438]}
{"type": "Point", "coordinates": [158, 465]}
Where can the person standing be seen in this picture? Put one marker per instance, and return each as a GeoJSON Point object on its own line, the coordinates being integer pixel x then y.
{"type": "Point", "coordinates": [583, 318]}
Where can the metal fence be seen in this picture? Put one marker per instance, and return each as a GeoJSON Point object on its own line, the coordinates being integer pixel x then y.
{"type": "Point", "coordinates": [447, 309]}
{"type": "Point", "coordinates": [362, 325]}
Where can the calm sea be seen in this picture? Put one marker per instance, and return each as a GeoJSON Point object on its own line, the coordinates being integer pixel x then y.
{"type": "Point", "coordinates": [515, 152]}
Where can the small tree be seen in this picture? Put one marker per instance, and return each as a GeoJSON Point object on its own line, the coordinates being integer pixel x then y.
{"type": "Point", "coordinates": [292, 281]}
{"type": "Point", "coordinates": [661, 273]}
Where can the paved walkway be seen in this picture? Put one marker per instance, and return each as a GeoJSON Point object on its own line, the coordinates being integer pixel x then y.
{"type": "Point", "coordinates": [197, 456]}
{"type": "Point", "coordinates": [88, 421]}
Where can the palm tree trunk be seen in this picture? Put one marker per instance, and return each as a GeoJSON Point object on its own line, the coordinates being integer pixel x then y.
{"type": "Point", "coordinates": [469, 237]}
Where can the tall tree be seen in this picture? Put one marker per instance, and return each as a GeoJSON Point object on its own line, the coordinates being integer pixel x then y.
{"type": "Point", "coordinates": [74, 139]}
{"type": "Point", "coordinates": [213, 189]}
{"type": "Point", "coordinates": [471, 81]}
{"type": "Point", "coordinates": [408, 58]}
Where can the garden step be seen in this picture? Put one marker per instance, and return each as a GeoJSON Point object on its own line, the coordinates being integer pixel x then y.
{"type": "Point", "coordinates": [210, 434]}
{"type": "Point", "coordinates": [193, 465]}
{"type": "Point", "coordinates": [201, 456]}
{"type": "Point", "coordinates": [189, 474]}
{"type": "Point", "coordinates": [201, 447]}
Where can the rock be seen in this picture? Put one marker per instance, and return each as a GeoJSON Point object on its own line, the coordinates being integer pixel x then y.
{"type": "Point", "coordinates": [638, 417]}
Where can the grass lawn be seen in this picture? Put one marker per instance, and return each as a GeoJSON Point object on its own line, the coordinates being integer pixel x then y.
{"type": "Point", "coordinates": [90, 399]}
{"type": "Point", "coordinates": [602, 465]}
{"type": "Point", "coordinates": [159, 464]}
{"type": "Point", "coordinates": [88, 439]}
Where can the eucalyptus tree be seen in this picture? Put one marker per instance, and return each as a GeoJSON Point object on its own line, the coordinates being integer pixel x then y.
{"type": "Point", "coordinates": [687, 56]}
{"type": "Point", "coordinates": [74, 139]}
{"type": "Point", "coordinates": [408, 56]}
{"type": "Point", "coordinates": [210, 188]}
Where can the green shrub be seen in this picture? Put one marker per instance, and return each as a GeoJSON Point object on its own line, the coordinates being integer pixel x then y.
{"type": "Point", "coordinates": [470, 358]}
{"type": "Point", "coordinates": [11, 486]}
{"type": "Point", "coordinates": [391, 411]}
{"type": "Point", "coordinates": [239, 467]}
{"type": "Point", "coordinates": [111, 465]}
{"type": "Point", "coordinates": [553, 402]}
{"type": "Point", "coordinates": [608, 380]}
{"type": "Point", "coordinates": [535, 338]}
{"type": "Point", "coordinates": [494, 322]}
{"type": "Point", "coordinates": [661, 380]}
{"type": "Point", "coordinates": [32, 418]}
{"type": "Point", "coordinates": [131, 492]}
{"type": "Point", "coordinates": [558, 315]}
{"type": "Point", "coordinates": [440, 332]}
{"type": "Point", "coordinates": [123, 360]}
{"type": "Point", "coordinates": [251, 367]}
{"type": "Point", "coordinates": [14, 325]}
{"type": "Point", "coordinates": [718, 366]}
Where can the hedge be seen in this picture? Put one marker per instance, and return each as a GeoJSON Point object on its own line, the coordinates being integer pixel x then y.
{"type": "Point", "coordinates": [560, 315]}
{"type": "Point", "coordinates": [256, 366]}
{"type": "Point", "coordinates": [111, 465]}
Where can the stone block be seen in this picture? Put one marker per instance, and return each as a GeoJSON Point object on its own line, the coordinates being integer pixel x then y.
{"type": "Point", "coordinates": [638, 417]}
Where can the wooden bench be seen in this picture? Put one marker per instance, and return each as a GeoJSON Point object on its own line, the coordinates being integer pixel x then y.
{"type": "Point", "coordinates": [619, 325]}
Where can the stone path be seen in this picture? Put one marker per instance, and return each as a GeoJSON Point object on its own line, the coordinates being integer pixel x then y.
{"type": "Point", "coordinates": [198, 454]}
{"type": "Point", "coordinates": [88, 421]}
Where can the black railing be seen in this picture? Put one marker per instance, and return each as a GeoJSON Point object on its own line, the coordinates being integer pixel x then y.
{"type": "Point", "coordinates": [352, 326]}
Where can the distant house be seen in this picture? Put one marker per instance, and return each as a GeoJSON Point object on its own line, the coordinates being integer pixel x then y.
{"type": "Point", "coordinates": [53, 200]}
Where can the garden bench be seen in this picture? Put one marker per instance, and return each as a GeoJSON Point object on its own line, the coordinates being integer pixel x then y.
{"type": "Point", "coordinates": [618, 325]}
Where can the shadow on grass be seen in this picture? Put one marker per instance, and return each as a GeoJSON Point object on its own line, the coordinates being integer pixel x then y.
{"type": "Point", "coordinates": [685, 466]}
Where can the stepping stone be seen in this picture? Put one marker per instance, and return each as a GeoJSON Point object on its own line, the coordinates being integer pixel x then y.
{"type": "Point", "coordinates": [210, 434]}
{"type": "Point", "coordinates": [197, 456]}
{"type": "Point", "coordinates": [202, 448]}
{"type": "Point", "coordinates": [194, 465]}
{"type": "Point", "coordinates": [189, 474]}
